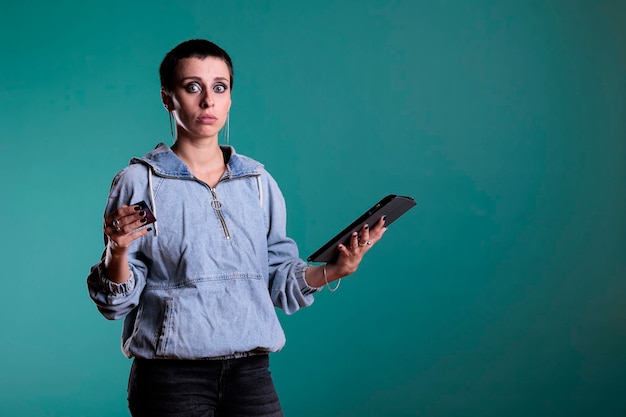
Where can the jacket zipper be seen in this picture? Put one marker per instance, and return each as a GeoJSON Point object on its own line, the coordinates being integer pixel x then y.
{"type": "Point", "coordinates": [217, 206]}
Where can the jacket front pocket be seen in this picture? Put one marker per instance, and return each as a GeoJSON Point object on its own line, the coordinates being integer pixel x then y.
{"type": "Point", "coordinates": [165, 330]}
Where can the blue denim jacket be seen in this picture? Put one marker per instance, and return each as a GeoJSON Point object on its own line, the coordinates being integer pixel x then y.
{"type": "Point", "coordinates": [205, 282]}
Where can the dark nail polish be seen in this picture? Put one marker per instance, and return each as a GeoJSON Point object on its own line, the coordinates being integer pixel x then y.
{"type": "Point", "coordinates": [137, 208]}
{"type": "Point", "coordinates": [149, 229]}
{"type": "Point", "coordinates": [144, 220]}
{"type": "Point", "coordinates": [367, 226]}
{"type": "Point", "coordinates": [142, 213]}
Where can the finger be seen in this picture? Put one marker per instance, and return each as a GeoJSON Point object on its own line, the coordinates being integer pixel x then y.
{"type": "Point", "coordinates": [112, 225]}
{"type": "Point", "coordinates": [365, 236]}
{"type": "Point", "coordinates": [140, 232]}
{"type": "Point", "coordinates": [354, 240]}
{"type": "Point", "coordinates": [375, 236]}
{"type": "Point", "coordinates": [123, 240]}
{"type": "Point", "coordinates": [134, 221]}
{"type": "Point", "coordinates": [112, 221]}
{"type": "Point", "coordinates": [141, 221]}
{"type": "Point", "coordinates": [124, 210]}
{"type": "Point", "coordinates": [344, 251]}
{"type": "Point", "coordinates": [116, 225]}
{"type": "Point", "coordinates": [124, 217]}
{"type": "Point", "coordinates": [379, 224]}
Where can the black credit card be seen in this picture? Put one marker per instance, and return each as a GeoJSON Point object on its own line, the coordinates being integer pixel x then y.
{"type": "Point", "coordinates": [149, 216]}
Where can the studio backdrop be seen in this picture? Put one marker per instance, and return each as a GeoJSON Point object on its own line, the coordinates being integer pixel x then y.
{"type": "Point", "coordinates": [500, 294]}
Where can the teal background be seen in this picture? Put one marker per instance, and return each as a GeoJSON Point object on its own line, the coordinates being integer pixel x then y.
{"type": "Point", "coordinates": [501, 293]}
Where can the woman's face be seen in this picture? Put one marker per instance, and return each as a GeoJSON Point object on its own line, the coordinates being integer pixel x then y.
{"type": "Point", "coordinates": [200, 100]}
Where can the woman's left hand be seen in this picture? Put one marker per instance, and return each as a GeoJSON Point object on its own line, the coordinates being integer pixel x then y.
{"type": "Point", "coordinates": [350, 256]}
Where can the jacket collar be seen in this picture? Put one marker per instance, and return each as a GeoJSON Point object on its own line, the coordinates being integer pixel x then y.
{"type": "Point", "coordinates": [164, 162]}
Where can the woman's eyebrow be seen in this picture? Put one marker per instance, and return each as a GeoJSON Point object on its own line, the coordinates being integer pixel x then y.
{"type": "Point", "coordinates": [221, 79]}
{"type": "Point", "coordinates": [195, 78]}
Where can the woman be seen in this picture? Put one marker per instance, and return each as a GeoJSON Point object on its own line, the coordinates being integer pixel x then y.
{"type": "Point", "coordinates": [197, 289]}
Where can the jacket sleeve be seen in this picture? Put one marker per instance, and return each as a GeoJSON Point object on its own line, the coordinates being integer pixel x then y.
{"type": "Point", "coordinates": [114, 300]}
{"type": "Point", "coordinates": [288, 287]}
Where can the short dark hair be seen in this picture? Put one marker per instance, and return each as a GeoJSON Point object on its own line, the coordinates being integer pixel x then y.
{"type": "Point", "coordinates": [197, 48]}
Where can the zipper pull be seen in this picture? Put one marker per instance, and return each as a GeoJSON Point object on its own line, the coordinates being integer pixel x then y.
{"type": "Point", "coordinates": [216, 204]}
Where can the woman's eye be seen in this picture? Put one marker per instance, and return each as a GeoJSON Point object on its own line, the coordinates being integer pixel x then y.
{"type": "Point", "coordinates": [219, 88]}
{"type": "Point", "coordinates": [193, 88]}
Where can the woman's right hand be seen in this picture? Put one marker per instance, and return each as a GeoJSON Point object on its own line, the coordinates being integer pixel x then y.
{"type": "Point", "coordinates": [121, 227]}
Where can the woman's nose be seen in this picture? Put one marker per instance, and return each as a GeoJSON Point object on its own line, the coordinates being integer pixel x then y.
{"type": "Point", "coordinates": [207, 101]}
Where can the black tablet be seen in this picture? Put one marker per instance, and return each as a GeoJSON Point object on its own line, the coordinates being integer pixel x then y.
{"type": "Point", "coordinates": [392, 206]}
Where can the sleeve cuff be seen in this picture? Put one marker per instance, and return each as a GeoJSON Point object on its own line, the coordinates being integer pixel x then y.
{"type": "Point", "coordinates": [304, 286]}
{"type": "Point", "coordinates": [113, 287]}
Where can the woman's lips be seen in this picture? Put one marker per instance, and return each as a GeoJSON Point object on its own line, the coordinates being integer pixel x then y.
{"type": "Point", "coordinates": [207, 119]}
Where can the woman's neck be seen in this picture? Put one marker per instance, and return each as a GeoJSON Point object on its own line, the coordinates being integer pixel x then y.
{"type": "Point", "coordinates": [204, 159]}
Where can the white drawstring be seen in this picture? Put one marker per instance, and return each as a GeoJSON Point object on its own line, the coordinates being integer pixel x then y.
{"type": "Point", "coordinates": [156, 227]}
{"type": "Point", "coordinates": [260, 185]}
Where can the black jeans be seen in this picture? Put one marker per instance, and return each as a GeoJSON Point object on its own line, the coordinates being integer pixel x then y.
{"type": "Point", "coordinates": [205, 388]}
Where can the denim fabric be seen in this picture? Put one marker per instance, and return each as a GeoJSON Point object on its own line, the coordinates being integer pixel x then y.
{"type": "Point", "coordinates": [206, 285]}
{"type": "Point", "coordinates": [222, 388]}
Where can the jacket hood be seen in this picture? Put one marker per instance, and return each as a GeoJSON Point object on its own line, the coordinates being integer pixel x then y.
{"type": "Point", "coordinates": [164, 162]}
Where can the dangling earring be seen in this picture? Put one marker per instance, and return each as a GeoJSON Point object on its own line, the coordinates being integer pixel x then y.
{"type": "Point", "coordinates": [227, 130]}
{"type": "Point", "coordinates": [169, 113]}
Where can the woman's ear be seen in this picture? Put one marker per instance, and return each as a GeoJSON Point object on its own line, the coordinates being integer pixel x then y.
{"type": "Point", "coordinates": [167, 100]}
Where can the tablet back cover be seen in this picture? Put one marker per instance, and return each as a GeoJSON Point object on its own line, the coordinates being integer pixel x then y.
{"type": "Point", "coordinates": [392, 206]}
